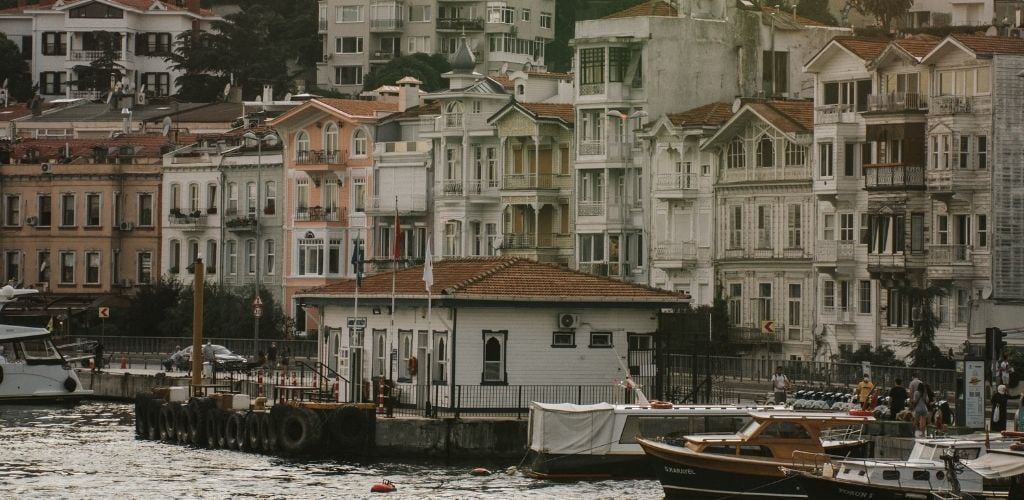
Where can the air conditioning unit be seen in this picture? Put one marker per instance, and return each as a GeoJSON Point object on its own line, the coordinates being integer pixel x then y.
{"type": "Point", "coordinates": [32, 221]}
{"type": "Point", "coordinates": [127, 226]}
{"type": "Point", "coordinates": [45, 168]}
{"type": "Point", "coordinates": [566, 320]}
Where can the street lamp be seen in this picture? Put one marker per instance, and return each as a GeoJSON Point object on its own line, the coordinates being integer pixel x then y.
{"type": "Point", "coordinates": [271, 138]}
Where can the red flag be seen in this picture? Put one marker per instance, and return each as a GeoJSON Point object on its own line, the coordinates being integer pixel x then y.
{"type": "Point", "coordinates": [397, 253]}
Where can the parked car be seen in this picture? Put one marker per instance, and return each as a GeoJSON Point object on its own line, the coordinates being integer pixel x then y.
{"type": "Point", "coordinates": [224, 359]}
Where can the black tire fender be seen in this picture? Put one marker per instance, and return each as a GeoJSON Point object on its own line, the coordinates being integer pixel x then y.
{"type": "Point", "coordinates": [268, 434]}
{"type": "Point", "coordinates": [212, 430]}
{"type": "Point", "coordinates": [234, 427]}
{"type": "Point", "coordinates": [346, 426]}
{"type": "Point", "coordinates": [70, 384]}
{"type": "Point", "coordinates": [252, 431]}
{"type": "Point", "coordinates": [299, 430]}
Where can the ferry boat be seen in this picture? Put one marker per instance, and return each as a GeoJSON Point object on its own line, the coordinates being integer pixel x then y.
{"type": "Point", "coordinates": [32, 368]}
{"type": "Point", "coordinates": [923, 473]}
{"type": "Point", "coordinates": [747, 464]}
{"type": "Point", "coordinates": [598, 441]}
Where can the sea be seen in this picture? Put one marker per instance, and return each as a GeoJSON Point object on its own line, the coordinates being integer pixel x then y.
{"type": "Point", "coordinates": [90, 451]}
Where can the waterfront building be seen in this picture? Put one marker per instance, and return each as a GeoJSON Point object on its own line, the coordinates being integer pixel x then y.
{"type": "Point", "coordinates": [362, 35]}
{"type": "Point", "coordinates": [577, 328]}
{"type": "Point", "coordinates": [82, 119]}
{"type": "Point", "coordinates": [61, 38]}
{"type": "Point", "coordinates": [328, 174]}
{"type": "Point", "coordinates": [635, 66]}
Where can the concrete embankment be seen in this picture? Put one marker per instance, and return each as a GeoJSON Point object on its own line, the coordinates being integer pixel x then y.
{"type": "Point", "coordinates": [124, 385]}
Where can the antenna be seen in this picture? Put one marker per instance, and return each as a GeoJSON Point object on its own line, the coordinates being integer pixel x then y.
{"type": "Point", "coordinates": [167, 126]}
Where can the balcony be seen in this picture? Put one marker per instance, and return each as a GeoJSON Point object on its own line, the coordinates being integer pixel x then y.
{"type": "Point", "coordinates": [590, 209]}
{"type": "Point", "coordinates": [759, 174]}
{"type": "Point", "coordinates": [481, 187]}
{"type": "Point", "coordinates": [675, 185]}
{"type": "Point", "coordinates": [899, 102]}
{"type": "Point", "coordinates": [535, 181]}
{"type": "Point", "coordinates": [530, 241]}
{"type": "Point", "coordinates": [456, 124]}
{"type": "Point", "coordinates": [81, 55]}
{"type": "Point", "coordinates": [385, 25]}
{"type": "Point", "coordinates": [830, 255]}
{"type": "Point", "coordinates": [959, 104]}
{"type": "Point", "coordinates": [319, 214]}
{"type": "Point", "coordinates": [450, 188]}
{"type": "Point", "coordinates": [195, 221]}
{"type": "Point", "coordinates": [608, 269]}
{"type": "Point", "coordinates": [835, 113]}
{"type": "Point", "coordinates": [674, 254]}
{"type": "Point", "coordinates": [893, 176]}
{"type": "Point", "coordinates": [592, 89]}
{"type": "Point", "coordinates": [405, 204]}
{"type": "Point", "coordinates": [319, 161]}
{"type": "Point", "coordinates": [384, 55]}
{"type": "Point", "coordinates": [750, 333]}
{"type": "Point", "coordinates": [837, 315]}
{"type": "Point", "coordinates": [90, 95]}
{"type": "Point", "coordinates": [460, 24]}
{"type": "Point", "coordinates": [242, 224]}
{"type": "Point", "coordinates": [882, 265]}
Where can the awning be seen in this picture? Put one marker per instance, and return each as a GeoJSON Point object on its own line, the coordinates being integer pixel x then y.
{"type": "Point", "coordinates": [998, 464]}
{"type": "Point", "coordinates": [571, 429]}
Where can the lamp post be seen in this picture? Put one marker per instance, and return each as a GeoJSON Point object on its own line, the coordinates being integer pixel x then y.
{"type": "Point", "coordinates": [271, 138]}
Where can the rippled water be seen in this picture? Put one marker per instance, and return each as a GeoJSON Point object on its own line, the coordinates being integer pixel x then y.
{"type": "Point", "coordinates": [90, 451]}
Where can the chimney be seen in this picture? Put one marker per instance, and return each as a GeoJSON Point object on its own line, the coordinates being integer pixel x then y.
{"type": "Point", "coordinates": [408, 93]}
{"type": "Point", "coordinates": [193, 5]}
{"type": "Point", "coordinates": [268, 93]}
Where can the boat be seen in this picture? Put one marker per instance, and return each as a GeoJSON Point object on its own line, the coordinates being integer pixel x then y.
{"type": "Point", "coordinates": [598, 441]}
{"type": "Point", "coordinates": [746, 464]}
{"type": "Point", "coordinates": [924, 472]}
{"type": "Point", "coordinates": [32, 368]}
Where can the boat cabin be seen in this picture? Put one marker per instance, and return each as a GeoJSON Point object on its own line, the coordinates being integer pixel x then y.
{"type": "Point", "coordinates": [779, 435]}
{"type": "Point", "coordinates": [28, 345]}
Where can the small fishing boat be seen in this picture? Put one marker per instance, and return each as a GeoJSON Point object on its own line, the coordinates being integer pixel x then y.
{"type": "Point", "coordinates": [32, 368]}
{"type": "Point", "coordinates": [746, 464]}
{"type": "Point", "coordinates": [598, 441]}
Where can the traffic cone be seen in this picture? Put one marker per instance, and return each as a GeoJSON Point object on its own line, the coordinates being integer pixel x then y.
{"type": "Point", "coordinates": [124, 362]}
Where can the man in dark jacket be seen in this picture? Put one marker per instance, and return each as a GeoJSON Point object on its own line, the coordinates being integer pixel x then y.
{"type": "Point", "coordinates": [97, 356]}
{"type": "Point", "coordinates": [897, 399]}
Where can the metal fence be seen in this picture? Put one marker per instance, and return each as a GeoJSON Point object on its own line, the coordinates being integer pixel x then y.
{"type": "Point", "coordinates": [441, 401]}
{"type": "Point", "coordinates": [165, 346]}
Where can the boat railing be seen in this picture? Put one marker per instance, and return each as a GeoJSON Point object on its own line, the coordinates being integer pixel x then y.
{"type": "Point", "coordinates": [807, 460]}
{"type": "Point", "coordinates": [851, 433]}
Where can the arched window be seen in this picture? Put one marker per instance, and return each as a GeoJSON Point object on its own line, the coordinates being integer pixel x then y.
{"type": "Point", "coordinates": [494, 357]}
{"type": "Point", "coordinates": [175, 197]}
{"type": "Point", "coordinates": [453, 115]}
{"type": "Point", "coordinates": [302, 146]}
{"type": "Point", "coordinates": [440, 360]}
{"type": "Point", "coordinates": [359, 141]}
{"type": "Point", "coordinates": [765, 151]}
{"type": "Point", "coordinates": [737, 154]}
{"type": "Point", "coordinates": [331, 138]}
{"type": "Point", "coordinates": [211, 256]}
{"type": "Point", "coordinates": [796, 155]}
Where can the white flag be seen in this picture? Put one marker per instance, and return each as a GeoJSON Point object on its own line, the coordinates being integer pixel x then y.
{"type": "Point", "coordinates": [428, 269]}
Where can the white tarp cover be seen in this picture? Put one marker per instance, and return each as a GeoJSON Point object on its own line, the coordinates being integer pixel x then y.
{"type": "Point", "coordinates": [571, 429]}
{"type": "Point", "coordinates": [998, 464]}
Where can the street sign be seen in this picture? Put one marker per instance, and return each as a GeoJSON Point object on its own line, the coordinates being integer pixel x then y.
{"type": "Point", "coordinates": [256, 301]}
{"type": "Point", "coordinates": [104, 312]}
{"type": "Point", "coordinates": [767, 327]}
{"type": "Point", "coordinates": [257, 311]}
{"type": "Point", "coordinates": [359, 322]}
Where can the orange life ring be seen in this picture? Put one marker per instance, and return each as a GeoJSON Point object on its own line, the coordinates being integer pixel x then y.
{"type": "Point", "coordinates": [660, 405]}
{"type": "Point", "coordinates": [862, 413]}
{"type": "Point", "coordinates": [413, 365]}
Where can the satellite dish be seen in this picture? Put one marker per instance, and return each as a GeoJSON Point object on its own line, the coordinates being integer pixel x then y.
{"type": "Point", "coordinates": [142, 89]}
{"type": "Point", "coordinates": [167, 126]}
{"type": "Point", "coordinates": [227, 89]}
{"type": "Point", "coordinates": [986, 293]}
{"type": "Point", "coordinates": [737, 104]}
{"type": "Point", "coordinates": [288, 96]}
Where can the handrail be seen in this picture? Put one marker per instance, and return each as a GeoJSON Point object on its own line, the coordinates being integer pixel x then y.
{"type": "Point", "coordinates": [320, 374]}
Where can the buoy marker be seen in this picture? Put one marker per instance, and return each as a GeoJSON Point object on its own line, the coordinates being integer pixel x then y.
{"type": "Point", "coordinates": [384, 486]}
{"type": "Point", "coordinates": [480, 471]}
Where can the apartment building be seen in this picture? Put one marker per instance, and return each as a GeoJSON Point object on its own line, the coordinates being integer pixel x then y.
{"type": "Point", "coordinates": [359, 35]}
{"type": "Point", "coordinates": [61, 38]}
{"type": "Point", "coordinates": [80, 216]}
{"type": "Point", "coordinates": [635, 66]}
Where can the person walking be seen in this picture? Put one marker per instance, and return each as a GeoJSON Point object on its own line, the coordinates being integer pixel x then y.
{"type": "Point", "coordinates": [897, 399]}
{"type": "Point", "coordinates": [914, 382]}
{"type": "Point", "coordinates": [780, 384]}
{"type": "Point", "coordinates": [921, 400]}
{"type": "Point", "coordinates": [210, 357]}
{"type": "Point", "coordinates": [1003, 371]}
{"type": "Point", "coordinates": [864, 388]}
{"type": "Point", "coordinates": [999, 401]}
{"type": "Point", "coordinates": [97, 355]}
{"type": "Point", "coordinates": [272, 355]}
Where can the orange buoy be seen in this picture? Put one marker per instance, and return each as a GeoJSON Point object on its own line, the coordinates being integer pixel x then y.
{"type": "Point", "coordinates": [480, 471]}
{"type": "Point", "coordinates": [384, 486]}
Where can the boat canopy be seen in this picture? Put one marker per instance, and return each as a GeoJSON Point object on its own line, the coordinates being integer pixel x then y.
{"type": "Point", "coordinates": [998, 464]}
{"type": "Point", "coordinates": [9, 333]}
{"type": "Point", "coordinates": [572, 429]}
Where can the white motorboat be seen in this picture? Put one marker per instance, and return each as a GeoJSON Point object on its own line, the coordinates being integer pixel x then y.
{"type": "Point", "coordinates": [32, 368]}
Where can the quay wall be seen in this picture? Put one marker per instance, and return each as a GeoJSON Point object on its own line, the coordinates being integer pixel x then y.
{"type": "Point", "coordinates": [124, 386]}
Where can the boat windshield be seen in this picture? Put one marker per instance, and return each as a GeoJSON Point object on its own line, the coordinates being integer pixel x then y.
{"type": "Point", "coordinates": [934, 451]}
{"type": "Point", "coordinates": [749, 429]}
{"type": "Point", "coordinates": [40, 348]}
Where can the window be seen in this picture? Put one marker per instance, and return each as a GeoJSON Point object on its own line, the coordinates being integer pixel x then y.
{"type": "Point", "coordinates": [359, 193]}
{"type": "Point", "coordinates": [349, 14]}
{"type": "Point", "coordinates": [524, 15]}
{"type": "Point", "coordinates": [193, 197]}
{"type": "Point", "coordinates": [591, 248]}
{"type": "Point", "coordinates": [45, 210]}
{"type": "Point", "coordinates": [916, 232]}
{"type": "Point", "coordinates": [232, 257]}
{"type": "Point", "coordinates": [250, 198]}
{"type": "Point", "coordinates": [864, 297]}
{"type": "Point", "coordinates": [12, 210]}
{"type": "Point", "coordinates": [145, 209]}
{"type": "Point", "coordinates": [849, 95]}
{"type": "Point", "coordinates": [982, 151]}
{"type": "Point", "coordinates": [404, 353]}
{"type": "Point", "coordinates": [794, 224]}
{"type": "Point", "coordinates": [311, 257]}
{"type": "Point", "coordinates": [157, 84]}
{"type": "Point", "coordinates": [302, 146]}
{"type": "Point", "coordinates": [67, 209]}
{"type": "Point", "coordinates": [775, 72]}
{"type": "Point", "coordinates": [145, 267]}
{"type": "Point", "coordinates": [941, 230]}
{"type": "Point", "coordinates": [491, 233]}
{"type": "Point", "coordinates": [828, 295]}
{"type": "Point", "coordinates": [12, 265]}
{"type": "Point", "coordinates": [193, 252]}
{"type": "Point", "coordinates": [965, 151]}
{"type": "Point", "coordinates": [270, 198]}
{"type": "Point", "coordinates": [439, 370]}
{"type": "Point", "coordinates": [736, 227]}
{"type": "Point", "coordinates": [175, 197]}
{"type": "Point", "coordinates": [211, 256]}
{"type": "Point", "coordinates": [765, 152]}
{"type": "Point", "coordinates": [67, 268]}
{"type": "Point", "coordinates": [796, 155]}
{"type": "Point", "coordinates": [640, 342]}
{"type": "Point", "coordinates": [152, 44]}
{"type": "Point", "coordinates": [416, 44]}
{"type": "Point", "coordinates": [174, 259]}
{"type": "Point", "coordinates": [92, 209]}
{"type": "Point", "coordinates": [232, 208]}
{"type": "Point", "coordinates": [618, 63]}
{"type": "Point", "coordinates": [499, 12]}
{"type": "Point", "coordinates": [963, 304]}
{"type": "Point", "coordinates": [52, 82]}
{"type": "Point", "coordinates": [494, 357]}
{"type": "Point", "coordinates": [546, 20]}
{"type": "Point", "coordinates": [44, 267]}
{"type": "Point", "coordinates": [359, 142]}
{"type": "Point", "coordinates": [55, 43]}
{"type": "Point", "coordinates": [764, 292]}
{"type": "Point", "coordinates": [736, 156]}
{"type": "Point", "coordinates": [764, 226]}
{"type": "Point", "coordinates": [982, 225]}
{"type": "Point", "coordinates": [250, 256]}
{"type": "Point", "coordinates": [302, 194]}
{"type": "Point", "coordinates": [600, 340]}
{"type": "Point", "coordinates": [865, 232]}
{"type": "Point", "coordinates": [268, 256]}
{"type": "Point", "coordinates": [92, 268]}
{"type": "Point", "coordinates": [378, 352]}
{"type": "Point", "coordinates": [419, 13]}
{"type": "Point", "coordinates": [348, 45]}
{"type": "Point", "coordinates": [846, 231]}
{"type": "Point", "coordinates": [563, 339]}
{"type": "Point", "coordinates": [849, 159]}
{"type": "Point", "coordinates": [795, 308]}
{"type": "Point", "coordinates": [828, 227]}
{"type": "Point", "coordinates": [334, 256]}
{"type": "Point", "coordinates": [735, 304]}
{"type": "Point", "coordinates": [825, 167]}
{"type": "Point", "coordinates": [591, 66]}
{"type": "Point", "coordinates": [348, 75]}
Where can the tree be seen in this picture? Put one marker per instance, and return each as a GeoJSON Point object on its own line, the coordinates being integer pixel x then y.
{"type": "Point", "coordinates": [817, 10]}
{"type": "Point", "coordinates": [102, 71]}
{"type": "Point", "coordinates": [924, 352]}
{"type": "Point", "coordinates": [151, 308]}
{"type": "Point", "coordinates": [887, 11]}
{"type": "Point", "coordinates": [427, 68]}
{"type": "Point", "coordinates": [880, 355]}
{"type": "Point", "coordinates": [15, 70]}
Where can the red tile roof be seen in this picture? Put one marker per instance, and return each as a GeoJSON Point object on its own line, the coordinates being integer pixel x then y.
{"type": "Point", "coordinates": [789, 15]}
{"type": "Point", "coordinates": [147, 146]}
{"type": "Point", "coordinates": [564, 112]}
{"type": "Point", "coordinates": [427, 108]}
{"type": "Point", "coordinates": [659, 8]}
{"type": "Point", "coordinates": [988, 45]}
{"type": "Point", "coordinates": [501, 278]}
{"type": "Point", "coordinates": [355, 107]}
{"type": "Point", "coordinates": [864, 48]}
{"type": "Point", "coordinates": [919, 45]}
{"type": "Point", "coordinates": [715, 113]}
{"type": "Point", "coordinates": [788, 116]}
{"type": "Point", "coordinates": [504, 81]}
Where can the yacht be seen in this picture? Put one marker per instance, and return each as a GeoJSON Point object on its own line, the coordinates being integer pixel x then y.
{"type": "Point", "coordinates": [32, 368]}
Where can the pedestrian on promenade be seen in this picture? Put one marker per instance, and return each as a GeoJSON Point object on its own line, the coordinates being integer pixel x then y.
{"type": "Point", "coordinates": [780, 384]}
{"type": "Point", "coordinates": [897, 399]}
{"type": "Point", "coordinates": [914, 382]}
{"type": "Point", "coordinates": [921, 400]}
{"type": "Point", "coordinates": [210, 357]}
{"type": "Point", "coordinates": [272, 355]}
{"type": "Point", "coordinates": [999, 401]}
{"type": "Point", "coordinates": [285, 353]}
{"type": "Point", "coordinates": [1003, 371]}
{"type": "Point", "coordinates": [864, 389]}
{"type": "Point", "coordinates": [97, 355]}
